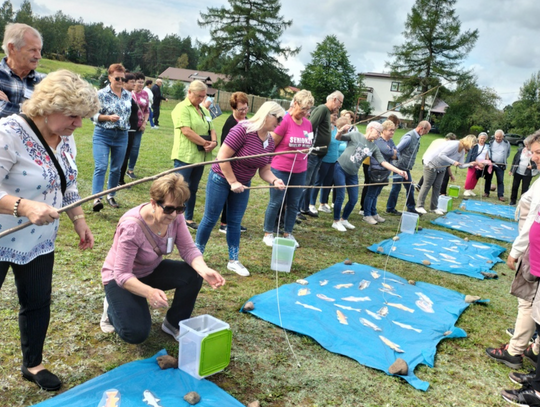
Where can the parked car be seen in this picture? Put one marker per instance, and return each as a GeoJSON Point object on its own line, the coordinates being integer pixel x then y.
{"type": "Point", "coordinates": [434, 129]}
{"type": "Point", "coordinates": [514, 139]}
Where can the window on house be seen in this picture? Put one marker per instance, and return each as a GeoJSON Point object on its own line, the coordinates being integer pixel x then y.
{"type": "Point", "coordinates": [391, 105]}
{"type": "Point", "coordinates": [395, 87]}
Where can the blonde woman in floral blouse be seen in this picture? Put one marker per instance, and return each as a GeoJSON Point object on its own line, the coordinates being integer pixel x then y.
{"type": "Point", "coordinates": [31, 189]}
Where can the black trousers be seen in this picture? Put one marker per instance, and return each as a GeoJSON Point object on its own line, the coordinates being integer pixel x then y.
{"type": "Point", "coordinates": [525, 181]}
{"type": "Point", "coordinates": [155, 109]}
{"type": "Point", "coordinates": [129, 313]}
{"type": "Point", "coordinates": [34, 286]}
{"type": "Point", "coordinates": [367, 180]}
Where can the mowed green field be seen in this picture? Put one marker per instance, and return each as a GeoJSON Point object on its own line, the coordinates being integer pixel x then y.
{"type": "Point", "coordinates": [262, 366]}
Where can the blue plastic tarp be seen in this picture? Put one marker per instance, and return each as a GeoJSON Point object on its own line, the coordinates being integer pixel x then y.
{"type": "Point", "coordinates": [488, 208]}
{"type": "Point", "coordinates": [368, 324]}
{"type": "Point", "coordinates": [129, 382]}
{"type": "Point", "coordinates": [479, 225]}
{"type": "Point", "coordinates": [443, 251]}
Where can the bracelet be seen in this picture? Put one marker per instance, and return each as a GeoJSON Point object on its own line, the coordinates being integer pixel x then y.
{"type": "Point", "coordinates": [274, 181]}
{"type": "Point", "coordinates": [16, 208]}
{"type": "Point", "coordinates": [77, 217]}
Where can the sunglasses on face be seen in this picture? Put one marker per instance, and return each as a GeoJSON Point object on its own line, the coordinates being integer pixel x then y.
{"type": "Point", "coordinates": [119, 78]}
{"type": "Point", "coordinates": [278, 118]}
{"type": "Point", "coordinates": [168, 210]}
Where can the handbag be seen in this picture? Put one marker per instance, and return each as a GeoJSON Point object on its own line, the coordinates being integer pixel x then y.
{"type": "Point", "coordinates": [525, 284]}
{"type": "Point", "coordinates": [378, 176]}
{"type": "Point", "coordinates": [206, 137]}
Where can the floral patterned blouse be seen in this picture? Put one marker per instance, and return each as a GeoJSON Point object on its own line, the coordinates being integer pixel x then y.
{"type": "Point", "coordinates": [27, 171]}
{"type": "Point", "coordinates": [112, 104]}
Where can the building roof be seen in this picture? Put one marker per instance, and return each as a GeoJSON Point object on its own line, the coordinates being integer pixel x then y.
{"type": "Point", "coordinates": [376, 75]}
{"type": "Point", "coordinates": [189, 75]}
{"type": "Point", "coordinates": [439, 106]}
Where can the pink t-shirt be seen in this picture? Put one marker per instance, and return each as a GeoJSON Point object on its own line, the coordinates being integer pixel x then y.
{"type": "Point", "coordinates": [294, 137]}
{"type": "Point", "coordinates": [534, 246]}
{"type": "Point", "coordinates": [131, 254]}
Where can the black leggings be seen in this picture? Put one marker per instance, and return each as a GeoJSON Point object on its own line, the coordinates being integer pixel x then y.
{"type": "Point", "coordinates": [34, 282]}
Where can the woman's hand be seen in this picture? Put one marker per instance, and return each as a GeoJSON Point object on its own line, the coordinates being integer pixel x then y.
{"type": "Point", "coordinates": [403, 174]}
{"type": "Point", "coordinates": [237, 187]}
{"type": "Point", "coordinates": [511, 263]}
{"type": "Point", "coordinates": [37, 212]}
{"type": "Point", "coordinates": [82, 229]}
{"type": "Point", "coordinates": [209, 146]}
{"type": "Point", "coordinates": [278, 182]}
{"type": "Point", "coordinates": [213, 278]}
{"type": "Point", "coordinates": [114, 117]}
{"type": "Point", "coordinates": [157, 298]}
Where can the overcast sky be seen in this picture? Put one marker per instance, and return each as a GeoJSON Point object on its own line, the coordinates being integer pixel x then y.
{"type": "Point", "coordinates": [506, 54]}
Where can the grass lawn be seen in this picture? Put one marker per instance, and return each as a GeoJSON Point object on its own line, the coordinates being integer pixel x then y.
{"type": "Point", "coordinates": [262, 367]}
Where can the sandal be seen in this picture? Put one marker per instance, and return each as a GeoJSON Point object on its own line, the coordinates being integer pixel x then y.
{"type": "Point", "coordinates": [112, 202]}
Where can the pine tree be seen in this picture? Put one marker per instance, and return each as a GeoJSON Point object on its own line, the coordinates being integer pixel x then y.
{"type": "Point", "coordinates": [245, 45]}
{"type": "Point", "coordinates": [433, 50]}
{"type": "Point", "coordinates": [330, 70]}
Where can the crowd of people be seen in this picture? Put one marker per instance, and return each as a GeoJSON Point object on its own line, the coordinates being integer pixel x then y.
{"type": "Point", "coordinates": [39, 177]}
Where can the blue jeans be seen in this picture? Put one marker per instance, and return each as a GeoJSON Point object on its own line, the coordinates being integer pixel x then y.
{"type": "Point", "coordinates": [134, 153]}
{"type": "Point", "coordinates": [276, 199]}
{"type": "Point", "coordinates": [129, 313]}
{"type": "Point", "coordinates": [325, 178]}
{"type": "Point", "coordinates": [192, 176]}
{"type": "Point", "coordinates": [105, 142]}
{"type": "Point", "coordinates": [218, 191]}
{"type": "Point", "coordinates": [342, 178]}
{"type": "Point", "coordinates": [370, 203]}
{"type": "Point", "coordinates": [394, 193]}
{"type": "Point", "coordinates": [151, 117]}
{"type": "Point", "coordinates": [314, 163]}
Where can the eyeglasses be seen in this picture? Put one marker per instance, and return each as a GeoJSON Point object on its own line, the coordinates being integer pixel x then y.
{"type": "Point", "coordinates": [340, 101]}
{"type": "Point", "coordinates": [168, 210]}
{"type": "Point", "coordinates": [119, 78]}
{"type": "Point", "coordinates": [279, 118]}
{"type": "Point", "coordinates": [245, 109]}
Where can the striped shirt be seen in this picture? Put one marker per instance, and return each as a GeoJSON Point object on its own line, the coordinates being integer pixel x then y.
{"type": "Point", "coordinates": [16, 89]}
{"type": "Point", "coordinates": [245, 144]}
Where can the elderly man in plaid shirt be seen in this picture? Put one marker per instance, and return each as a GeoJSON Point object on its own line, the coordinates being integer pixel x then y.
{"type": "Point", "coordinates": [22, 45]}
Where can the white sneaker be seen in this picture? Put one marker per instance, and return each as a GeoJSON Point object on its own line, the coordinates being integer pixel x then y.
{"type": "Point", "coordinates": [420, 210]}
{"type": "Point", "coordinates": [268, 239]}
{"type": "Point", "coordinates": [438, 212]}
{"type": "Point", "coordinates": [379, 218]}
{"type": "Point", "coordinates": [238, 268]}
{"type": "Point", "coordinates": [313, 209]}
{"type": "Point", "coordinates": [370, 219]}
{"type": "Point", "coordinates": [332, 205]}
{"type": "Point", "coordinates": [167, 327]}
{"type": "Point", "coordinates": [325, 208]}
{"type": "Point", "coordinates": [291, 237]}
{"type": "Point", "coordinates": [338, 226]}
{"type": "Point", "coordinates": [104, 323]}
{"type": "Point", "coordinates": [347, 224]}
{"type": "Point", "coordinates": [361, 213]}
{"type": "Point", "coordinates": [469, 192]}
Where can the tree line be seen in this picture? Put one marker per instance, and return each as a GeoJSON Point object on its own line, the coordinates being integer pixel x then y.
{"type": "Point", "coordinates": [68, 39]}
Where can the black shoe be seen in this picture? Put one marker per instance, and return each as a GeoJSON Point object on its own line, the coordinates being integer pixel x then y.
{"type": "Point", "coordinates": [301, 217]}
{"type": "Point", "coordinates": [112, 202]}
{"type": "Point", "coordinates": [414, 211]}
{"type": "Point", "coordinates": [417, 187]}
{"type": "Point", "coordinates": [501, 355]}
{"type": "Point", "coordinates": [298, 221]}
{"type": "Point", "coordinates": [98, 205]}
{"type": "Point", "coordinates": [512, 203]}
{"type": "Point", "coordinates": [131, 175]}
{"type": "Point", "coordinates": [526, 396]}
{"type": "Point", "coordinates": [312, 214]}
{"type": "Point", "coordinates": [530, 355]}
{"type": "Point", "coordinates": [522, 378]}
{"type": "Point", "coordinates": [44, 379]}
{"type": "Point", "coordinates": [243, 229]}
{"type": "Point", "coordinates": [192, 225]}
{"type": "Point", "coordinates": [393, 212]}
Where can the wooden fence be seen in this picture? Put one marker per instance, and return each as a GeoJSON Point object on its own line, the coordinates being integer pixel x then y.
{"type": "Point", "coordinates": [222, 97]}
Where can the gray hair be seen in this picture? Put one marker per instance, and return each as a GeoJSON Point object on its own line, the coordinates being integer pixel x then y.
{"type": "Point", "coordinates": [334, 95]}
{"type": "Point", "coordinates": [499, 131]}
{"type": "Point", "coordinates": [483, 134]}
{"type": "Point", "coordinates": [376, 125]}
{"type": "Point", "coordinates": [14, 34]}
{"type": "Point", "coordinates": [257, 121]}
{"type": "Point", "coordinates": [533, 138]}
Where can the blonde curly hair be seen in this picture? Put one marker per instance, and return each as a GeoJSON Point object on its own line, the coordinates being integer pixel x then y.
{"type": "Point", "coordinates": [63, 92]}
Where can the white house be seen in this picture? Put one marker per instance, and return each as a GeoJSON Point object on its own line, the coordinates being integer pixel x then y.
{"type": "Point", "coordinates": [382, 90]}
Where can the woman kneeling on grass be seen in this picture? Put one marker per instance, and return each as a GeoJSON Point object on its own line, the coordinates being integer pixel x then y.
{"type": "Point", "coordinates": [227, 180]}
{"type": "Point", "coordinates": [135, 273]}
{"type": "Point", "coordinates": [346, 169]}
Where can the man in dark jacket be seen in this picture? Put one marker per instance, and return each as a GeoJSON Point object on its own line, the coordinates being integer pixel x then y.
{"type": "Point", "coordinates": [158, 97]}
{"type": "Point", "coordinates": [407, 149]}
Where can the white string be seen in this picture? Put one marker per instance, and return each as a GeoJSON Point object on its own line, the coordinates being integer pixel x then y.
{"type": "Point", "coordinates": [277, 252]}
